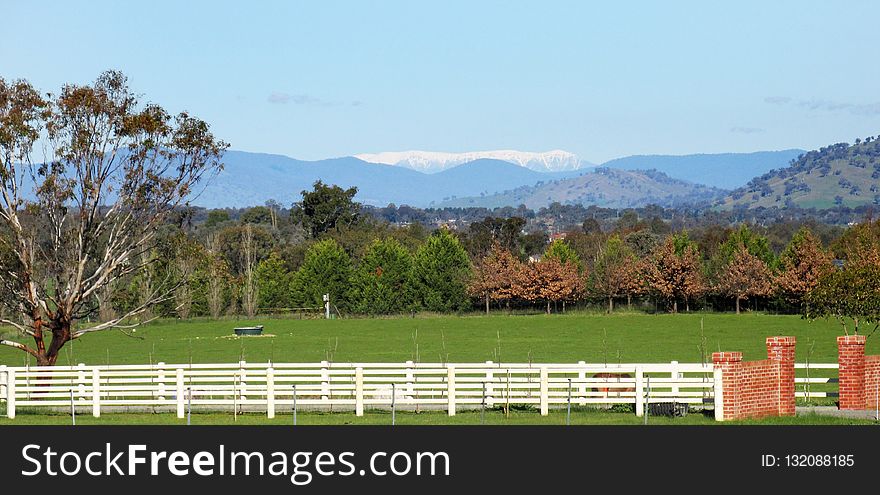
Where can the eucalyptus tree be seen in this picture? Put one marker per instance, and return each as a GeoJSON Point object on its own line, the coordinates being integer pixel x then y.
{"type": "Point", "coordinates": [88, 178]}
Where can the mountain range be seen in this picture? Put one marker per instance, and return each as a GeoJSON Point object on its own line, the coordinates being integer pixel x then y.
{"type": "Point", "coordinates": [510, 178]}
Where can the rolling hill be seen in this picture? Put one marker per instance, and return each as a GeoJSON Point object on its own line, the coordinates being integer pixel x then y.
{"type": "Point", "coordinates": [603, 187]}
{"type": "Point", "coordinates": [836, 175]}
{"type": "Point", "coordinates": [724, 170]}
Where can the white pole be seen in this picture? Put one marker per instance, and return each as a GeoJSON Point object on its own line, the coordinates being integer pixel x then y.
{"type": "Point", "coordinates": [96, 392]}
{"type": "Point", "coordinates": [719, 395]}
{"type": "Point", "coordinates": [3, 381]}
{"type": "Point", "coordinates": [180, 399]}
{"type": "Point", "coordinates": [359, 391]}
{"type": "Point", "coordinates": [450, 389]}
{"type": "Point", "coordinates": [10, 393]}
{"type": "Point", "coordinates": [640, 392]}
{"type": "Point", "coordinates": [270, 393]}
{"type": "Point", "coordinates": [545, 391]}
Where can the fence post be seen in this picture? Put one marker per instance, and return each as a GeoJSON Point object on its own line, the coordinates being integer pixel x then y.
{"type": "Point", "coordinates": [10, 393]}
{"type": "Point", "coordinates": [450, 388]}
{"type": "Point", "coordinates": [582, 389]}
{"type": "Point", "coordinates": [242, 382]}
{"type": "Point", "coordinates": [488, 389]}
{"type": "Point", "coordinates": [358, 391]}
{"type": "Point", "coordinates": [180, 399]}
{"type": "Point", "coordinates": [675, 375]}
{"type": "Point", "coordinates": [545, 392]}
{"type": "Point", "coordinates": [96, 392]}
{"type": "Point", "coordinates": [719, 394]}
{"type": "Point", "coordinates": [410, 377]}
{"type": "Point", "coordinates": [325, 381]}
{"type": "Point", "coordinates": [640, 392]}
{"type": "Point", "coordinates": [270, 392]}
{"type": "Point", "coordinates": [3, 381]}
{"type": "Point", "coordinates": [161, 366]}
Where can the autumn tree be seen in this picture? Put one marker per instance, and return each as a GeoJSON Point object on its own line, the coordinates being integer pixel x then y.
{"type": "Point", "coordinates": [549, 280]}
{"type": "Point", "coordinates": [87, 214]}
{"type": "Point", "coordinates": [802, 264]}
{"type": "Point", "coordinates": [495, 276]}
{"type": "Point", "coordinates": [674, 272]}
{"type": "Point", "coordinates": [745, 276]}
{"type": "Point", "coordinates": [614, 274]}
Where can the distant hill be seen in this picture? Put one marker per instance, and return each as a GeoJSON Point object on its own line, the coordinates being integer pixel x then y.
{"type": "Point", "coordinates": [724, 170]}
{"type": "Point", "coordinates": [836, 175]}
{"type": "Point", "coordinates": [253, 178]}
{"type": "Point", "coordinates": [603, 186]}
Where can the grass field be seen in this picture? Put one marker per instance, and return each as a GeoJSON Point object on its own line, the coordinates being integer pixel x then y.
{"type": "Point", "coordinates": [596, 338]}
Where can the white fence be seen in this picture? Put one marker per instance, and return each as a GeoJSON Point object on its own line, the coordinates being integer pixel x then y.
{"type": "Point", "coordinates": [813, 385]}
{"type": "Point", "coordinates": [273, 387]}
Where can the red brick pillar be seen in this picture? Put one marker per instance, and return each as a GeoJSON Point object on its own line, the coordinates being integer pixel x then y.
{"type": "Point", "coordinates": [781, 350]}
{"type": "Point", "coordinates": [730, 364]}
{"type": "Point", "coordinates": [851, 360]}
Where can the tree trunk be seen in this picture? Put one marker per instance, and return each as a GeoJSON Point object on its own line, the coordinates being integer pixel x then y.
{"type": "Point", "coordinates": [610, 305]}
{"type": "Point", "coordinates": [487, 303]}
{"type": "Point", "coordinates": [737, 305]}
{"type": "Point", "coordinates": [548, 306]}
{"type": "Point", "coordinates": [629, 302]}
{"type": "Point", "coordinates": [675, 306]}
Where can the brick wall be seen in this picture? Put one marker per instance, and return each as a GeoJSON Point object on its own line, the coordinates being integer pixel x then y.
{"type": "Point", "coordinates": [757, 389]}
{"type": "Point", "coordinates": [858, 374]}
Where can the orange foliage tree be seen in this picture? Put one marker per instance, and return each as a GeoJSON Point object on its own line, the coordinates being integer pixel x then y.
{"type": "Point", "coordinates": [802, 264]}
{"type": "Point", "coordinates": [745, 276]}
{"type": "Point", "coordinates": [495, 276]}
{"type": "Point", "coordinates": [674, 272]}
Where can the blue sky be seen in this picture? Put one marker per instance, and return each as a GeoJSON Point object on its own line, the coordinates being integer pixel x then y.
{"type": "Point", "coordinates": [321, 79]}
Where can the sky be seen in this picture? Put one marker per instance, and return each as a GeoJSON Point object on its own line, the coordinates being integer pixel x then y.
{"type": "Point", "coordinates": [324, 79]}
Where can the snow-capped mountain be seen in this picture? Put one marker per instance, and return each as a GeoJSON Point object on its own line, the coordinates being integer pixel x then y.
{"type": "Point", "coordinates": [435, 161]}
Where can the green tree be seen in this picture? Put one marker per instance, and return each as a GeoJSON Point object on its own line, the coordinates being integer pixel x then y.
{"type": "Point", "coordinates": [273, 283]}
{"type": "Point", "coordinates": [326, 207]}
{"type": "Point", "coordinates": [441, 270]}
{"type": "Point", "coordinates": [851, 295]}
{"type": "Point", "coordinates": [325, 270]}
{"type": "Point", "coordinates": [382, 282]}
{"type": "Point", "coordinates": [562, 252]}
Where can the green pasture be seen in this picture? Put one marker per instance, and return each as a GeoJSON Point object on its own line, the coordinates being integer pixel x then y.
{"type": "Point", "coordinates": [595, 338]}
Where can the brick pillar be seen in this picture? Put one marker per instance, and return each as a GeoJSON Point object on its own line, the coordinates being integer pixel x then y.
{"type": "Point", "coordinates": [730, 364]}
{"type": "Point", "coordinates": [851, 360]}
{"type": "Point", "coordinates": [781, 350]}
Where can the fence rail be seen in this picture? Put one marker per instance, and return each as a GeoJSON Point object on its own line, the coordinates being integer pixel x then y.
{"type": "Point", "coordinates": [271, 387]}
